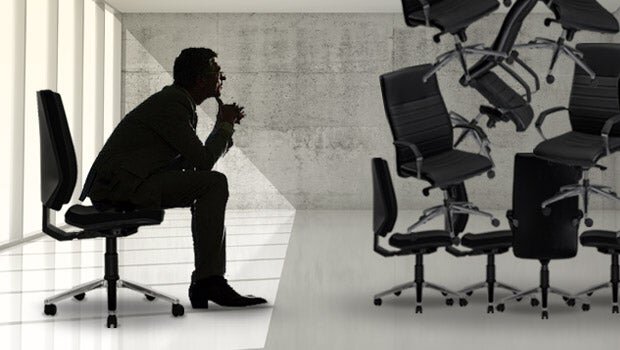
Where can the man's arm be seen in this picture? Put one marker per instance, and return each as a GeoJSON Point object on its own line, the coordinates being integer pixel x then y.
{"type": "Point", "coordinates": [172, 123]}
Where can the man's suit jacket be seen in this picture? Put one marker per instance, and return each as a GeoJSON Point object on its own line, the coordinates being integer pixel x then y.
{"type": "Point", "coordinates": [152, 137]}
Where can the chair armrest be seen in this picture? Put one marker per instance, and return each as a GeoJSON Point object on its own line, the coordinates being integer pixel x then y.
{"type": "Point", "coordinates": [515, 57]}
{"type": "Point", "coordinates": [609, 124]}
{"type": "Point", "coordinates": [426, 7]}
{"type": "Point", "coordinates": [512, 73]}
{"type": "Point", "coordinates": [543, 116]}
{"type": "Point", "coordinates": [419, 158]}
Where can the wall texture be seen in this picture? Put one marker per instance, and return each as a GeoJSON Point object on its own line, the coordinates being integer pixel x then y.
{"type": "Point", "coordinates": [310, 86]}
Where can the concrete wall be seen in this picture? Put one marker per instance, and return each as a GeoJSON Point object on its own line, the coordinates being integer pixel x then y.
{"type": "Point", "coordinates": [310, 86]}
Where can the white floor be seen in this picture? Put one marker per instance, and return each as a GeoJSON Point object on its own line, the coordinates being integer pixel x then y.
{"type": "Point", "coordinates": [160, 257]}
{"type": "Point", "coordinates": [325, 299]}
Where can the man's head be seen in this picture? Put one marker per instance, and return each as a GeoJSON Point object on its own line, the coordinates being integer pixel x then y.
{"type": "Point", "coordinates": [196, 70]}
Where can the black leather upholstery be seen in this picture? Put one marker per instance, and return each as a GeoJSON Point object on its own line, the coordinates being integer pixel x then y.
{"type": "Point", "coordinates": [420, 240]}
{"type": "Point", "coordinates": [504, 97]}
{"type": "Point", "coordinates": [601, 239]}
{"type": "Point", "coordinates": [417, 114]}
{"type": "Point", "coordinates": [450, 167]}
{"type": "Point", "coordinates": [576, 148]}
{"type": "Point", "coordinates": [584, 15]}
{"type": "Point", "coordinates": [449, 16]}
{"type": "Point", "coordinates": [592, 103]}
{"type": "Point", "coordinates": [498, 240]}
{"type": "Point", "coordinates": [536, 236]}
{"type": "Point", "coordinates": [89, 218]}
{"type": "Point", "coordinates": [385, 207]}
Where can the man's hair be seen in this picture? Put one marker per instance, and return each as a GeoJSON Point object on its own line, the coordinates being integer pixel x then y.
{"type": "Point", "coordinates": [191, 63]}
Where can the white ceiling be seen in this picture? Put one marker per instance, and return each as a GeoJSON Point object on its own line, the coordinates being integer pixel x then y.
{"type": "Point", "coordinates": [291, 6]}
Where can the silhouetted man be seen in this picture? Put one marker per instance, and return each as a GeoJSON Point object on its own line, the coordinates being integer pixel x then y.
{"type": "Point", "coordinates": [154, 159]}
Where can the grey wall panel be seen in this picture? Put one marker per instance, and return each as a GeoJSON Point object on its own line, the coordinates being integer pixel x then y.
{"type": "Point", "coordinates": [310, 84]}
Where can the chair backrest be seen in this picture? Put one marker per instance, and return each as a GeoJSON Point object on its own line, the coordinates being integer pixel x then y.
{"type": "Point", "coordinates": [592, 102]}
{"type": "Point", "coordinates": [416, 112]}
{"type": "Point", "coordinates": [410, 6]}
{"type": "Point", "coordinates": [58, 162]}
{"type": "Point", "coordinates": [385, 209]}
{"type": "Point", "coordinates": [537, 236]}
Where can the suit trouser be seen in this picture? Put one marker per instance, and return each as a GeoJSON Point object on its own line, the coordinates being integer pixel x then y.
{"type": "Point", "coordinates": [206, 192]}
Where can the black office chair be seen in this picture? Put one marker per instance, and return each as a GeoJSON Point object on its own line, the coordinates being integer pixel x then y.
{"type": "Point", "coordinates": [540, 237]}
{"type": "Point", "coordinates": [385, 212]}
{"type": "Point", "coordinates": [573, 16]}
{"type": "Point", "coordinates": [453, 17]}
{"type": "Point", "coordinates": [58, 178]}
{"type": "Point", "coordinates": [422, 131]}
{"type": "Point", "coordinates": [594, 113]}
{"type": "Point", "coordinates": [606, 242]}
{"type": "Point", "coordinates": [507, 105]}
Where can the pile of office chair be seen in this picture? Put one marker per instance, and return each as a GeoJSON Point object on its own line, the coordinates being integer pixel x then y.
{"type": "Point", "coordinates": [548, 183]}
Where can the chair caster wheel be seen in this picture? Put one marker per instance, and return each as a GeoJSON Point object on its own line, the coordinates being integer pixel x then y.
{"type": "Point", "coordinates": [490, 174]}
{"type": "Point", "coordinates": [570, 301]}
{"type": "Point", "coordinates": [507, 3]}
{"type": "Point", "coordinates": [49, 309]}
{"type": "Point", "coordinates": [177, 310]}
{"type": "Point", "coordinates": [463, 302]}
{"type": "Point", "coordinates": [149, 297]}
{"type": "Point", "coordinates": [585, 307]}
{"type": "Point", "coordinates": [534, 302]}
{"type": "Point", "coordinates": [490, 309]}
{"type": "Point", "coordinates": [397, 293]}
{"type": "Point", "coordinates": [495, 222]}
{"type": "Point", "coordinates": [449, 301]}
{"type": "Point", "coordinates": [418, 309]}
{"type": "Point", "coordinates": [378, 301]}
{"type": "Point", "coordinates": [112, 322]}
{"type": "Point", "coordinates": [590, 294]}
{"type": "Point", "coordinates": [546, 211]}
{"type": "Point", "coordinates": [444, 294]}
{"type": "Point", "coordinates": [614, 309]}
{"type": "Point", "coordinates": [519, 299]}
{"type": "Point", "coordinates": [544, 315]}
{"type": "Point", "coordinates": [469, 293]}
{"type": "Point", "coordinates": [550, 79]}
{"type": "Point", "coordinates": [426, 192]}
{"type": "Point", "coordinates": [589, 222]}
{"type": "Point", "coordinates": [80, 296]}
{"type": "Point", "coordinates": [500, 307]}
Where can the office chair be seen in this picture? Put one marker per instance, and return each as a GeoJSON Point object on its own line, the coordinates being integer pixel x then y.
{"type": "Point", "coordinates": [422, 131]}
{"type": "Point", "coordinates": [594, 111]}
{"type": "Point", "coordinates": [540, 237]}
{"type": "Point", "coordinates": [58, 178]}
{"type": "Point", "coordinates": [506, 104]}
{"type": "Point", "coordinates": [453, 17]}
{"type": "Point", "coordinates": [606, 242]}
{"type": "Point", "coordinates": [573, 16]}
{"type": "Point", "coordinates": [385, 212]}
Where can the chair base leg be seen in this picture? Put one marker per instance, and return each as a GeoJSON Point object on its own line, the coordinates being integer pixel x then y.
{"type": "Point", "coordinates": [612, 284]}
{"type": "Point", "coordinates": [420, 284]}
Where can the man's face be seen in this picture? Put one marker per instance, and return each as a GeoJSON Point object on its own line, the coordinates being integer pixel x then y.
{"type": "Point", "coordinates": [214, 81]}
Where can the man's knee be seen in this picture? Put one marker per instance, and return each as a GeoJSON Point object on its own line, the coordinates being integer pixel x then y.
{"type": "Point", "coordinates": [220, 183]}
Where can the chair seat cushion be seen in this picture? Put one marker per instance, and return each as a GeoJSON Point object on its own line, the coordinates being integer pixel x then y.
{"type": "Point", "coordinates": [488, 240]}
{"type": "Point", "coordinates": [89, 218]}
{"type": "Point", "coordinates": [420, 240]}
{"type": "Point", "coordinates": [450, 168]}
{"type": "Point", "coordinates": [454, 15]}
{"type": "Point", "coordinates": [585, 15]}
{"type": "Point", "coordinates": [576, 148]}
{"type": "Point", "coordinates": [600, 239]}
{"type": "Point", "coordinates": [505, 98]}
